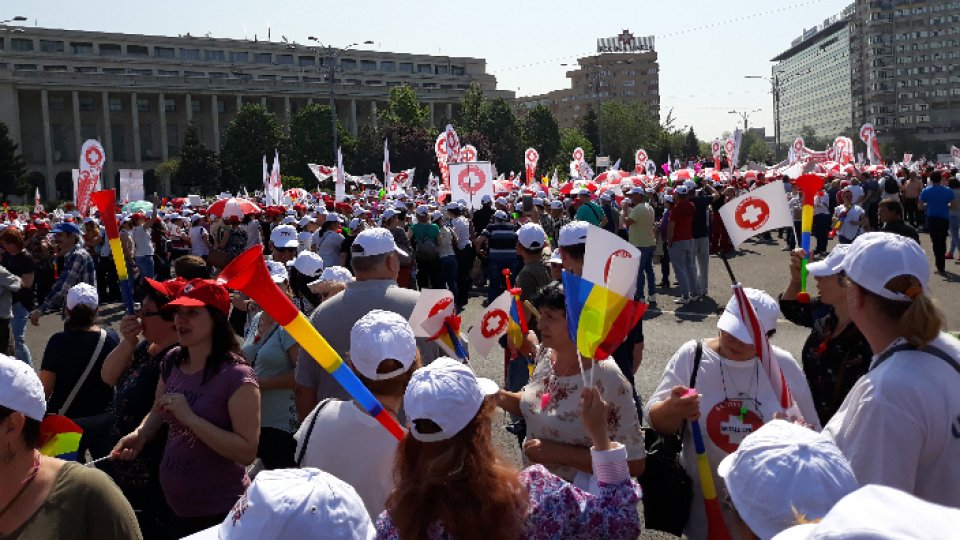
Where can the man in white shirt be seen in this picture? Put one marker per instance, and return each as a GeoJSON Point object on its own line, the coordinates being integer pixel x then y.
{"type": "Point", "coordinates": [143, 246]}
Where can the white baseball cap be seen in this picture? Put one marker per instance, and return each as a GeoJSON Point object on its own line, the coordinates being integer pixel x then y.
{"type": "Point", "coordinates": [83, 293]}
{"type": "Point", "coordinates": [195, 218]}
{"type": "Point", "coordinates": [284, 236]}
{"type": "Point", "coordinates": [690, 185]}
{"type": "Point", "coordinates": [305, 220]}
{"type": "Point", "coordinates": [877, 257]}
{"type": "Point", "coordinates": [374, 241]}
{"type": "Point", "coordinates": [423, 210]}
{"type": "Point", "coordinates": [556, 205]}
{"type": "Point", "coordinates": [278, 272]}
{"type": "Point", "coordinates": [607, 196]}
{"type": "Point", "coordinates": [381, 335]}
{"type": "Point", "coordinates": [583, 191]}
{"type": "Point", "coordinates": [339, 274]}
{"type": "Point", "coordinates": [333, 217]}
{"type": "Point", "coordinates": [289, 220]}
{"type": "Point", "coordinates": [555, 257]}
{"type": "Point", "coordinates": [876, 512]}
{"type": "Point", "coordinates": [767, 310]}
{"type": "Point", "coordinates": [387, 214]}
{"type": "Point", "coordinates": [501, 215]}
{"type": "Point", "coordinates": [447, 393]}
{"type": "Point", "coordinates": [20, 388]}
{"type": "Point", "coordinates": [831, 264]}
{"type": "Point", "coordinates": [680, 190]}
{"type": "Point", "coordinates": [532, 236]}
{"type": "Point", "coordinates": [636, 191]}
{"type": "Point", "coordinates": [295, 503]}
{"type": "Point", "coordinates": [486, 199]}
{"type": "Point", "coordinates": [308, 263]}
{"type": "Point", "coordinates": [782, 469]}
{"type": "Point", "coordinates": [574, 233]}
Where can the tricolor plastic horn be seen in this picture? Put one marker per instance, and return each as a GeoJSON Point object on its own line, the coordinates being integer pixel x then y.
{"type": "Point", "coordinates": [248, 273]}
{"type": "Point", "coordinates": [106, 204]}
{"type": "Point", "coordinates": [809, 185]}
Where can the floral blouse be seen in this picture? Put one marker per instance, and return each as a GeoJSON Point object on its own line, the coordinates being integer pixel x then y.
{"type": "Point", "coordinates": [559, 510]}
{"type": "Point", "coordinates": [551, 408]}
{"type": "Point", "coordinates": [831, 365]}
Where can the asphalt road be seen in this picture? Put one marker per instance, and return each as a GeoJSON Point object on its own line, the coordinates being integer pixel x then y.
{"type": "Point", "coordinates": [666, 327]}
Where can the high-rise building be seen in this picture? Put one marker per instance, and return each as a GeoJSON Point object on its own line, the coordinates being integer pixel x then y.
{"type": "Point", "coordinates": [137, 94]}
{"type": "Point", "coordinates": [812, 81]}
{"type": "Point", "coordinates": [906, 69]}
{"type": "Point", "coordinates": [624, 69]}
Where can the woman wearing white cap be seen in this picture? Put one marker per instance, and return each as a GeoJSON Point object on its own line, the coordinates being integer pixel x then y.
{"type": "Point", "coordinates": [383, 353]}
{"type": "Point", "coordinates": [328, 239]}
{"type": "Point", "coordinates": [42, 496]}
{"type": "Point", "coordinates": [900, 424]}
{"type": "Point", "coordinates": [734, 395]}
{"type": "Point", "coordinates": [452, 483]}
{"type": "Point", "coordinates": [835, 353]}
{"type": "Point", "coordinates": [303, 270]}
{"type": "Point", "coordinates": [272, 352]}
{"type": "Point", "coordinates": [70, 370]}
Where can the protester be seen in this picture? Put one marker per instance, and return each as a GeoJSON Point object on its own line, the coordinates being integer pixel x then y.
{"type": "Point", "coordinates": [133, 369]}
{"type": "Point", "coordinates": [42, 496]}
{"type": "Point", "coordinates": [200, 243]}
{"type": "Point", "coordinates": [446, 243]}
{"type": "Point", "coordinates": [283, 243]}
{"type": "Point", "coordinates": [143, 248]}
{"type": "Point", "coordinates": [327, 241]}
{"type": "Point", "coordinates": [890, 213]}
{"type": "Point", "coordinates": [783, 471]}
{"type": "Point", "coordinates": [78, 267]}
{"type": "Point", "coordinates": [734, 395]}
{"type": "Point", "coordinates": [448, 459]}
{"type": "Point", "coordinates": [936, 200]}
{"type": "Point", "coordinates": [588, 210]}
{"type": "Point", "coordinates": [376, 263]}
{"type": "Point", "coordinates": [835, 354]}
{"type": "Point", "coordinates": [679, 242]}
{"type": "Point", "coordinates": [701, 199]}
{"type": "Point", "coordinates": [305, 269]}
{"type": "Point", "coordinates": [498, 246]}
{"type": "Point", "coordinates": [19, 263]}
{"type": "Point", "coordinates": [892, 424]}
{"type": "Point", "coordinates": [642, 235]}
{"type": "Point", "coordinates": [213, 435]}
{"type": "Point", "coordinates": [190, 267]}
{"type": "Point", "coordinates": [41, 251]}
{"type": "Point", "coordinates": [849, 219]}
{"type": "Point", "coordinates": [71, 366]}
{"type": "Point", "coordinates": [272, 352]}
{"type": "Point", "coordinates": [383, 354]}
{"type": "Point", "coordinates": [463, 248]}
{"type": "Point", "coordinates": [954, 251]}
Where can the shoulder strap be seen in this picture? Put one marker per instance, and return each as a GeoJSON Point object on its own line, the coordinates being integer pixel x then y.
{"type": "Point", "coordinates": [84, 375]}
{"type": "Point", "coordinates": [306, 437]}
{"type": "Point", "coordinates": [928, 349]}
{"type": "Point", "coordinates": [697, 356]}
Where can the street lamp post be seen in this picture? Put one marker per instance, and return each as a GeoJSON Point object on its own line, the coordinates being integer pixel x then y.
{"type": "Point", "coordinates": [595, 73]}
{"type": "Point", "coordinates": [775, 83]}
{"type": "Point", "coordinates": [745, 116]}
{"type": "Point", "coordinates": [331, 56]}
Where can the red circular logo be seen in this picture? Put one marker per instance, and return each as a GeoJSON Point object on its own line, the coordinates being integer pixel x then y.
{"type": "Point", "coordinates": [468, 153]}
{"type": "Point", "coordinates": [578, 154]}
{"type": "Point", "coordinates": [729, 146]}
{"type": "Point", "coordinates": [441, 305]}
{"type": "Point", "coordinates": [866, 133]}
{"type": "Point", "coordinates": [532, 155]}
{"type": "Point", "coordinates": [641, 156]}
{"type": "Point", "coordinates": [727, 427]}
{"type": "Point", "coordinates": [471, 179]}
{"type": "Point", "coordinates": [93, 156]}
{"type": "Point", "coordinates": [752, 213]}
{"type": "Point", "coordinates": [493, 323]}
{"type": "Point", "coordinates": [622, 253]}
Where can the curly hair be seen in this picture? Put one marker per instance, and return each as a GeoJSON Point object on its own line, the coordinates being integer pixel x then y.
{"type": "Point", "coordinates": [463, 483]}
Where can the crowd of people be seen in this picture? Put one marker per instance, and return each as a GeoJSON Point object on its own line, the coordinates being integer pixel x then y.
{"type": "Point", "coordinates": [215, 422]}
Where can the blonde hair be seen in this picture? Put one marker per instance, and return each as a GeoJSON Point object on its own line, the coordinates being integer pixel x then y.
{"type": "Point", "coordinates": [919, 320]}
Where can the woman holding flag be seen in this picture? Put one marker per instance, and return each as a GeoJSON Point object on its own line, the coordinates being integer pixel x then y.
{"type": "Point", "coordinates": [734, 396]}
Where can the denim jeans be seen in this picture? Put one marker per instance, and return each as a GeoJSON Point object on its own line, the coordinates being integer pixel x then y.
{"type": "Point", "coordinates": [701, 259]}
{"type": "Point", "coordinates": [645, 272]}
{"type": "Point", "coordinates": [681, 254]}
{"type": "Point", "coordinates": [496, 262]}
{"type": "Point", "coordinates": [145, 264]}
{"type": "Point", "coordinates": [19, 327]}
{"type": "Point", "coordinates": [448, 271]}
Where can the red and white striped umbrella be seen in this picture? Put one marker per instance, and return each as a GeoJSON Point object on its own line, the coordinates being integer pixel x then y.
{"type": "Point", "coordinates": [682, 175]}
{"type": "Point", "coordinates": [235, 207]}
{"type": "Point", "coordinates": [611, 177]}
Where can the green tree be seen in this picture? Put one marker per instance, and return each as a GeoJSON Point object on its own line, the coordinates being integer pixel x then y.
{"type": "Point", "coordinates": [198, 169]}
{"type": "Point", "coordinates": [540, 130]}
{"type": "Point", "coordinates": [588, 126]}
{"type": "Point", "coordinates": [404, 108]}
{"type": "Point", "coordinates": [311, 141]}
{"type": "Point", "coordinates": [290, 182]}
{"type": "Point", "coordinates": [759, 151]}
{"type": "Point", "coordinates": [471, 108]}
{"type": "Point", "coordinates": [13, 170]}
{"type": "Point", "coordinates": [369, 156]}
{"type": "Point", "coordinates": [691, 145]}
{"type": "Point", "coordinates": [252, 134]}
{"type": "Point", "coordinates": [570, 139]}
{"type": "Point", "coordinates": [499, 125]}
{"type": "Point", "coordinates": [627, 127]}
{"type": "Point", "coordinates": [811, 140]}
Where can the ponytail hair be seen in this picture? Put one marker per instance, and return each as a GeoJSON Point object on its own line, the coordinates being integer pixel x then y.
{"type": "Point", "coordinates": [918, 320]}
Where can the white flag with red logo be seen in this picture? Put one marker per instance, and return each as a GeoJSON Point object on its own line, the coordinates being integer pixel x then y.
{"type": "Point", "coordinates": [611, 261]}
{"type": "Point", "coordinates": [907, 158]}
{"type": "Point", "coordinates": [37, 205]}
{"type": "Point", "coordinates": [322, 172]}
{"type": "Point", "coordinates": [530, 158]}
{"type": "Point", "coordinates": [763, 209]}
{"type": "Point", "coordinates": [493, 323]}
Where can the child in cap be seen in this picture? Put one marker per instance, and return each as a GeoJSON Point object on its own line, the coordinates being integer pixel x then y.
{"type": "Point", "coordinates": [448, 459]}
{"type": "Point", "coordinates": [339, 436]}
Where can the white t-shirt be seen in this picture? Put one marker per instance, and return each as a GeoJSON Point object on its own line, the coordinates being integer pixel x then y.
{"type": "Point", "coordinates": [197, 246]}
{"type": "Point", "coordinates": [328, 247]}
{"type": "Point", "coordinates": [142, 244]}
{"type": "Point", "coordinates": [745, 384]}
{"type": "Point", "coordinates": [461, 230]}
{"type": "Point", "coordinates": [900, 424]}
{"type": "Point", "coordinates": [303, 240]}
{"type": "Point", "coordinates": [857, 193]}
{"type": "Point", "coordinates": [851, 218]}
{"type": "Point", "coordinates": [254, 236]}
{"type": "Point", "coordinates": [351, 445]}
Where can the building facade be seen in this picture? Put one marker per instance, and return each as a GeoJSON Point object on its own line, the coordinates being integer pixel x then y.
{"type": "Point", "coordinates": [813, 80]}
{"type": "Point", "coordinates": [137, 94]}
{"type": "Point", "coordinates": [624, 69]}
{"type": "Point", "coordinates": [906, 76]}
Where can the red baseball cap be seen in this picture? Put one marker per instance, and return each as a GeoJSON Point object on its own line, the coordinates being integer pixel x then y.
{"type": "Point", "coordinates": [203, 292]}
{"type": "Point", "coordinates": [170, 288]}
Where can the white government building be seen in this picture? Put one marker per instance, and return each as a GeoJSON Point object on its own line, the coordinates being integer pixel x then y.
{"type": "Point", "coordinates": [137, 94]}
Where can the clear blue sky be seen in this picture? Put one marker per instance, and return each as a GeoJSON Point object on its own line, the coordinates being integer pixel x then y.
{"type": "Point", "coordinates": [705, 47]}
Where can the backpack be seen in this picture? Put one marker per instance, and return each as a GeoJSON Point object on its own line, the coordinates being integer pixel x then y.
{"type": "Point", "coordinates": [426, 249]}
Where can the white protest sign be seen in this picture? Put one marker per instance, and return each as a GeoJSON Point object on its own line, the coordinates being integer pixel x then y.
{"type": "Point", "coordinates": [471, 181]}
{"type": "Point", "coordinates": [131, 185]}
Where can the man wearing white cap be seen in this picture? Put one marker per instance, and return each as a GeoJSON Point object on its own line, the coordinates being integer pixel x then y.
{"type": "Point", "coordinates": [589, 211]}
{"type": "Point", "coordinates": [376, 264]}
{"type": "Point", "coordinates": [199, 237]}
{"type": "Point", "coordinates": [641, 233]}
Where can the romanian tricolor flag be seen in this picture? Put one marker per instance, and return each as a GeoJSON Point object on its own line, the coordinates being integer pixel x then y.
{"type": "Point", "coordinates": [517, 320]}
{"type": "Point", "coordinates": [60, 437]}
{"type": "Point", "coordinates": [598, 319]}
{"type": "Point", "coordinates": [106, 204]}
{"type": "Point", "coordinates": [449, 339]}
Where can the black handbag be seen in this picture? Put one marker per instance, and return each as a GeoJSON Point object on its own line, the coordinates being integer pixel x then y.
{"type": "Point", "coordinates": [667, 488]}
